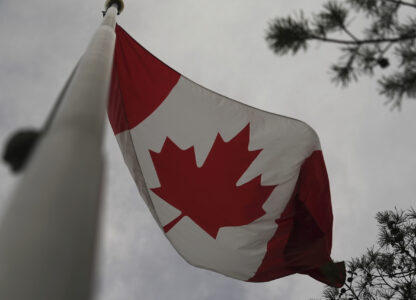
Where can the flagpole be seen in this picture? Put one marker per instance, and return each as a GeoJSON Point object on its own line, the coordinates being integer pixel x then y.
{"type": "Point", "coordinates": [48, 231]}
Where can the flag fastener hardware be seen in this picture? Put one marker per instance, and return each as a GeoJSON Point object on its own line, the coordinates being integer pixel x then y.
{"type": "Point", "coordinates": [118, 3]}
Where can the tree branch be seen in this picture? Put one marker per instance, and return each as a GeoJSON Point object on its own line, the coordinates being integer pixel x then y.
{"type": "Point", "coordinates": [351, 289]}
{"type": "Point", "coordinates": [404, 273]}
{"type": "Point", "coordinates": [401, 3]}
{"type": "Point", "coordinates": [381, 276]}
{"type": "Point", "coordinates": [350, 33]}
{"type": "Point", "coordinates": [361, 42]}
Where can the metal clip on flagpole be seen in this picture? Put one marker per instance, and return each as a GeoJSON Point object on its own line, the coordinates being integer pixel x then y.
{"type": "Point", "coordinates": [48, 231]}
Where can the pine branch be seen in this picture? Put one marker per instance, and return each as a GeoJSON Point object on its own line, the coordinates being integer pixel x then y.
{"type": "Point", "coordinates": [361, 42]}
{"type": "Point", "coordinates": [361, 55]}
{"type": "Point", "coordinates": [404, 3]}
{"type": "Point", "coordinates": [347, 31]}
{"type": "Point", "coordinates": [384, 272]}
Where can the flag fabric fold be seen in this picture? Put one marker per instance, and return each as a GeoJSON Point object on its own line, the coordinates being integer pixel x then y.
{"type": "Point", "coordinates": [236, 190]}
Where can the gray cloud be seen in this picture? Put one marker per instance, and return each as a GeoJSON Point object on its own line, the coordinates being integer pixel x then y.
{"type": "Point", "coordinates": [368, 149]}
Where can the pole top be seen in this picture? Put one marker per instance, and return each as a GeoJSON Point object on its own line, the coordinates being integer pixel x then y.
{"type": "Point", "coordinates": [118, 3]}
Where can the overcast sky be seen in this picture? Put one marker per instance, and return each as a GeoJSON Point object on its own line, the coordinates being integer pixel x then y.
{"type": "Point", "coordinates": [369, 150]}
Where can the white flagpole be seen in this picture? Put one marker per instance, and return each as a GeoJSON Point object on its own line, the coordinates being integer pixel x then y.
{"type": "Point", "coordinates": [48, 232]}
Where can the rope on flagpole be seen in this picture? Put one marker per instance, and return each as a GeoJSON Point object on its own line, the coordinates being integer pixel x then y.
{"type": "Point", "coordinates": [49, 228]}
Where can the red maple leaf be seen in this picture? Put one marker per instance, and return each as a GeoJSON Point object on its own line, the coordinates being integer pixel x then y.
{"type": "Point", "coordinates": [208, 194]}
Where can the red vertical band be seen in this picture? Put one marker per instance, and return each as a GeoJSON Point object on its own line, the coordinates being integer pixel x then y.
{"type": "Point", "coordinates": [140, 83]}
{"type": "Point", "coordinates": [302, 242]}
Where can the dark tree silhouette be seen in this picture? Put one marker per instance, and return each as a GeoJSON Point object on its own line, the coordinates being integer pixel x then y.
{"type": "Point", "coordinates": [388, 272]}
{"type": "Point", "coordinates": [389, 37]}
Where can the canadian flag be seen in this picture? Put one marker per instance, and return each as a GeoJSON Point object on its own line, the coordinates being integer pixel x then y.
{"type": "Point", "coordinates": [235, 189]}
